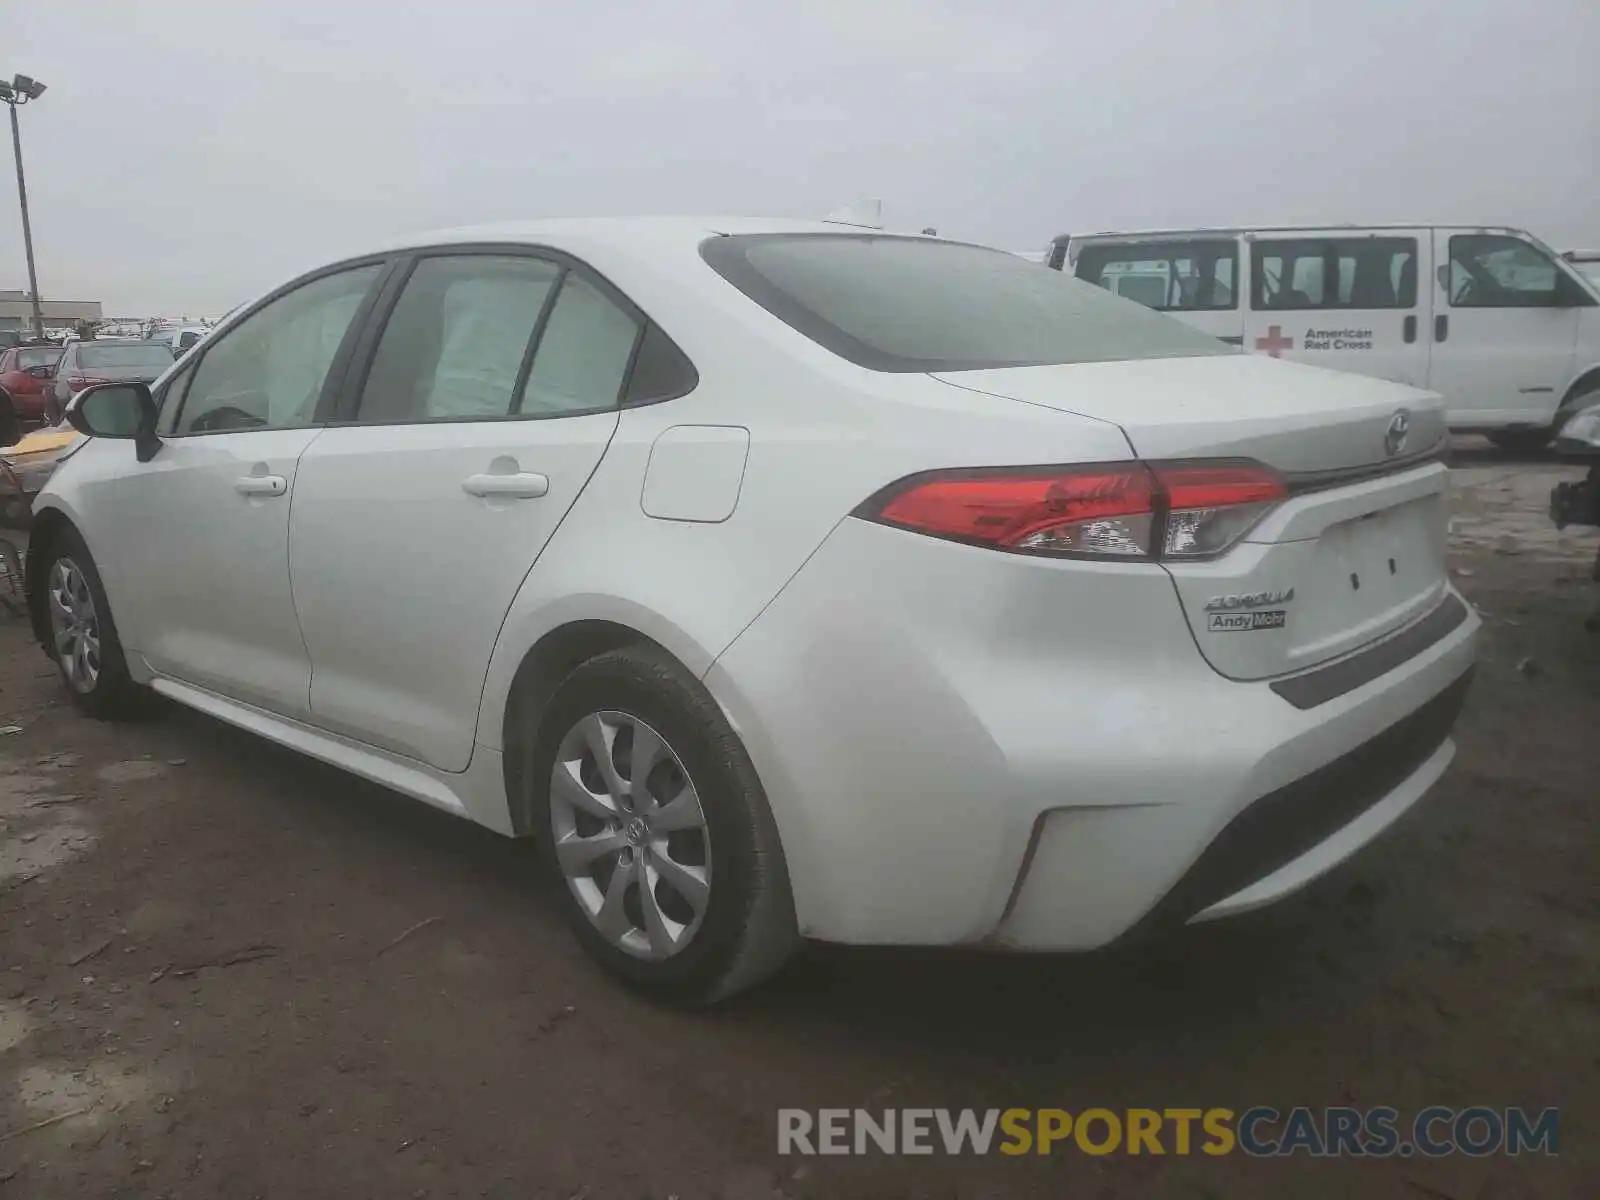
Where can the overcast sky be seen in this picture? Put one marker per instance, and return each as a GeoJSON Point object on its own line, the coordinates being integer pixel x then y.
{"type": "Point", "coordinates": [190, 153]}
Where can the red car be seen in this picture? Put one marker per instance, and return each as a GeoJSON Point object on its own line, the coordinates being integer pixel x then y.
{"type": "Point", "coordinates": [26, 373]}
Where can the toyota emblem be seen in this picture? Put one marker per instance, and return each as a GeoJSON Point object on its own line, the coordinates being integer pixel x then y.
{"type": "Point", "coordinates": [1394, 441]}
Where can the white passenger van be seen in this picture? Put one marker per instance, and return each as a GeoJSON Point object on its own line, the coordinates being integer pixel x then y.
{"type": "Point", "coordinates": [1506, 329]}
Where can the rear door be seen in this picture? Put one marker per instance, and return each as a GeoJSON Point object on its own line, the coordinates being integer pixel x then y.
{"type": "Point", "coordinates": [489, 398]}
{"type": "Point", "coordinates": [1505, 332]}
{"type": "Point", "coordinates": [1194, 279]}
{"type": "Point", "coordinates": [1345, 299]}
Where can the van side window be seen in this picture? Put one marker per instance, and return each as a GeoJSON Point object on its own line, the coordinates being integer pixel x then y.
{"type": "Point", "coordinates": [1361, 273]}
{"type": "Point", "coordinates": [1182, 276]}
{"type": "Point", "coordinates": [1496, 271]}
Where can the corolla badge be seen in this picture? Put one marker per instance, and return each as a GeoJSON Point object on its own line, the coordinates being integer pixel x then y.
{"type": "Point", "coordinates": [1249, 600]}
{"type": "Point", "coordinates": [1394, 441]}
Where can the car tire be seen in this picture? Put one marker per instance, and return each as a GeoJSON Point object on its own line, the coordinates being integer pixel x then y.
{"type": "Point", "coordinates": [84, 642]}
{"type": "Point", "coordinates": [1520, 441]}
{"type": "Point", "coordinates": [601, 844]}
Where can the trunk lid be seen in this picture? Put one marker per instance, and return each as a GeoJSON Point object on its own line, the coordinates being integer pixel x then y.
{"type": "Point", "coordinates": [1356, 552]}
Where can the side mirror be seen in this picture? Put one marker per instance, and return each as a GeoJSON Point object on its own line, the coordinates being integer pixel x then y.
{"type": "Point", "coordinates": [117, 410]}
{"type": "Point", "coordinates": [39, 372]}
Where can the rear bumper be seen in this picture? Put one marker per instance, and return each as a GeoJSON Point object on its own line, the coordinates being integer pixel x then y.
{"type": "Point", "coordinates": [1032, 754]}
{"type": "Point", "coordinates": [1290, 836]}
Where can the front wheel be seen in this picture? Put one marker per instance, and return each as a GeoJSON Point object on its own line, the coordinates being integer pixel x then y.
{"type": "Point", "coordinates": [83, 637]}
{"type": "Point", "coordinates": [656, 833]}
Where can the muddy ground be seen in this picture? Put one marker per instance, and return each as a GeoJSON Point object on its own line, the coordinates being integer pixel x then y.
{"type": "Point", "coordinates": [231, 972]}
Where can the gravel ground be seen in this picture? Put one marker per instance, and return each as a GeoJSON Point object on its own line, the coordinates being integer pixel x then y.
{"type": "Point", "coordinates": [229, 972]}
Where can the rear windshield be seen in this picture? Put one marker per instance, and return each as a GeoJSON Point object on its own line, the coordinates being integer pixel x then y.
{"type": "Point", "coordinates": [910, 304]}
{"type": "Point", "coordinates": [146, 354]}
{"type": "Point", "coordinates": [37, 356]}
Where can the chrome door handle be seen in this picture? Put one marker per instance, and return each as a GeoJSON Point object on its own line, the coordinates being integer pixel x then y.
{"type": "Point", "coordinates": [521, 485]}
{"type": "Point", "coordinates": [261, 485]}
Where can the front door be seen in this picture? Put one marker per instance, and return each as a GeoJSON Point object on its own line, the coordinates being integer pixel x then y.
{"type": "Point", "coordinates": [1505, 333]}
{"type": "Point", "coordinates": [1343, 299]}
{"type": "Point", "coordinates": [491, 396]}
{"type": "Point", "coordinates": [207, 518]}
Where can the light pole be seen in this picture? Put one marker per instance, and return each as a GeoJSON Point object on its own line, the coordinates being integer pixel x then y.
{"type": "Point", "coordinates": [18, 92]}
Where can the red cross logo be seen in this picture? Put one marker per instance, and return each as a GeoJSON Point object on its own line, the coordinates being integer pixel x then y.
{"type": "Point", "coordinates": [1275, 343]}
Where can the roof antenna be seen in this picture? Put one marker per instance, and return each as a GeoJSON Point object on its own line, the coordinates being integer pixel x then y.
{"type": "Point", "coordinates": [866, 213]}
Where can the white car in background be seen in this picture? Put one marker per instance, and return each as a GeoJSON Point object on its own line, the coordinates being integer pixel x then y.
{"type": "Point", "coordinates": [177, 338]}
{"type": "Point", "coordinates": [783, 581]}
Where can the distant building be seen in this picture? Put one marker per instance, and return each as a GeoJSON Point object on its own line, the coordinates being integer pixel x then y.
{"type": "Point", "coordinates": [16, 311]}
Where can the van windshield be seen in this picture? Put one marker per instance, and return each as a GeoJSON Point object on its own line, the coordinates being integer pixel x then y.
{"type": "Point", "coordinates": [913, 304]}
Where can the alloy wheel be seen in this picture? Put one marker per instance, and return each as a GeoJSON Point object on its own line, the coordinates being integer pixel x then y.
{"type": "Point", "coordinates": [74, 625]}
{"type": "Point", "coordinates": [630, 835]}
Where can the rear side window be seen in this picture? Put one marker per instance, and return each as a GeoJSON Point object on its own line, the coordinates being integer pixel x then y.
{"type": "Point", "coordinates": [583, 353]}
{"type": "Point", "coordinates": [1185, 276]}
{"type": "Point", "coordinates": [660, 370]}
{"type": "Point", "coordinates": [454, 347]}
{"type": "Point", "coordinates": [1357, 273]}
{"type": "Point", "coordinates": [909, 304]}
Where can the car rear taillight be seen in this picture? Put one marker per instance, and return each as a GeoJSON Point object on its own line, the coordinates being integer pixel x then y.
{"type": "Point", "coordinates": [78, 382]}
{"type": "Point", "coordinates": [1184, 510]}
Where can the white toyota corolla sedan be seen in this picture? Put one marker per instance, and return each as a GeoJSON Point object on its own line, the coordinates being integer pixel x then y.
{"type": "Point", "coordinates": [783, 581]}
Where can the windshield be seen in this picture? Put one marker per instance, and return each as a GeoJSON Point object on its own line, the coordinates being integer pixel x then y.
{"type": "Point", "coordinates": [37, 356]}
{"type": "Point", "coordinates": [909, 304]}
{"type": "Point", "coordinates": [151, 355]}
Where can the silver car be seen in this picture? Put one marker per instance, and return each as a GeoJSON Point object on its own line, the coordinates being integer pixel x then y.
{"type": "Point", "coordinates": [104, 360]}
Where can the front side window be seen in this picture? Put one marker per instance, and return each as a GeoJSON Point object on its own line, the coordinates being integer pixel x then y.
{"type": "Point", "coordinates": [1356, 273]}
{"type": "Point", "coordinates": [267, 372]}
{"type": "Point", "coordinates": [454, 347]}
{"type": "Point", "coordinates": [169, 403]}
{"type": "Point", "coordinates": [1167, 276]}
{"type": "Point", "coordinates": [1496, 271]}
{"type": "Point", "coordinates": [911, 304]}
